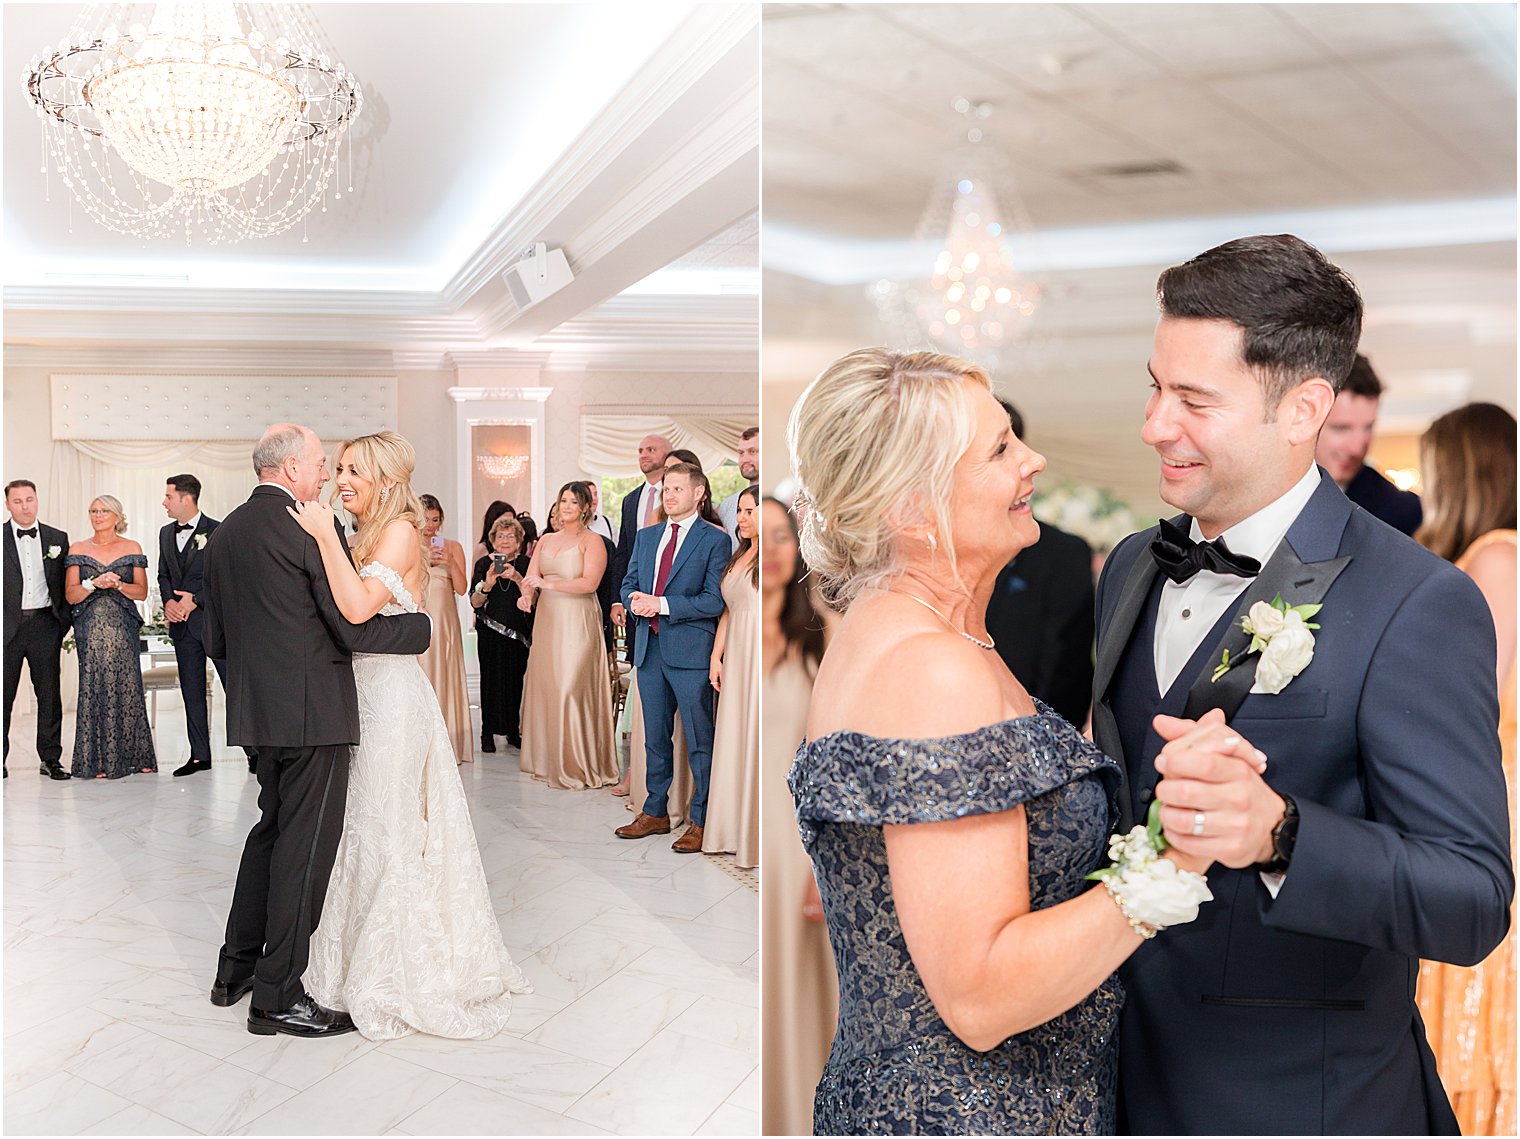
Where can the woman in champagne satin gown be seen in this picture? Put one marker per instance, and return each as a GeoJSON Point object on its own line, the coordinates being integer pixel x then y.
{"type": "Point", "coordinates": [567, 692]}
{"type": "Point", "coordinates": [733, 797]}
{"type": "Point", "coordinates": [444, 661]}
{"type": "Point", "coordinates": [1467, 460]}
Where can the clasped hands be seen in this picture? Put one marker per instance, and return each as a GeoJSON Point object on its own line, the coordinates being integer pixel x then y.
{"type": "Point", "coordinates": [1209, 769]}
{"type": "Point", "coordinates": [644, 604]}
{"type": "Point", "coordinates": [180, 606]}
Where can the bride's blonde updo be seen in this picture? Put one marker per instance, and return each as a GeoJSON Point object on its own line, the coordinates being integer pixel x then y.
{"type": "Point", "coordinates": [874, 441]}
{"type": "Point", "coordinates": [387, 460]}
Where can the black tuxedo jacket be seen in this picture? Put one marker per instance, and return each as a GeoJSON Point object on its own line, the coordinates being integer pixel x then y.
{"type": "Point", "coordinates": [1401, 509]}
{"type": "Point", "coordinates": [1297, 1013]}
{"type": "Point", "coordinates": [52, 573]}
{"type": "Point", "coordinates": [627, 532]}
{"type": "Point", "coordinates": [607, 589]}
{"type": "Point", "coordinates": [185, 571]}
{"type": "Point", "coordinates": [270, 614]}
{"type": "Point", "coordinates": [1041, 618]}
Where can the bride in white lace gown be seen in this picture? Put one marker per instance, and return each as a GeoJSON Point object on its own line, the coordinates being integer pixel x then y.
{"type": "Point", "coordinates": [408, 940]}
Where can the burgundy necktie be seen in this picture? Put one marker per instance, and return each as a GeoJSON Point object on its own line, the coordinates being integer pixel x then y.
{"type": "Point", "coordinates": [664, 573]}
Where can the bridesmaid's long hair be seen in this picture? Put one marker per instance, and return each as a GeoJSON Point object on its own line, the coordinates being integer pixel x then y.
{"type": "Point", "coordinates": [801, 623]}
{"type": "Point", "coordinates": [493, 512]}
{"type": "Point", "coordinates": [753, 494]}
{"type": "Point", "coordinates": [1467, 458]}
{"type": "Point", "coordinates": [387, 460]}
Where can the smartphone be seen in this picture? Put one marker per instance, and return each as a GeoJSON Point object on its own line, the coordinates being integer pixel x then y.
{"type": "Point", "coordinates": [437, 541]}
{"type": "Point", "coordinates": [500, 562]}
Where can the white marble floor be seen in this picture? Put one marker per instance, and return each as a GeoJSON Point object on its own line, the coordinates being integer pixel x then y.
{"type": "Point", "coordinates": [645, 965]}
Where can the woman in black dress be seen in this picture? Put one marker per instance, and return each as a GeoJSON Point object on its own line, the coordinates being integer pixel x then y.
{"type": "Point", "coordinates": [503, 633]}
{"type": "Point", "coordinates": [103, 576]}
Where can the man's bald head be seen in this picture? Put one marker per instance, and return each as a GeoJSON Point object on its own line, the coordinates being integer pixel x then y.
{"type": "Point", "coordinates": [652, 452]}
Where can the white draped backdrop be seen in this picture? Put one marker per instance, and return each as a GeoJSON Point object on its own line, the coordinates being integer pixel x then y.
{"type": "Point", "coordinates": [610, 435]}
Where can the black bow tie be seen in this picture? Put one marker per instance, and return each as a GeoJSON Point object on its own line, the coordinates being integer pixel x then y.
{"type": "Point", "coordinates": [178, 526]}
{"type": "Point", "coordinates": [32, 533]}
{"type": "Point", "coordinates": [1179, 557]}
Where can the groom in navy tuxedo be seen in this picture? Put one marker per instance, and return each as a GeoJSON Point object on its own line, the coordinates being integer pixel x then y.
{"type": "Point", "coordinates": [1378, 834]}
{"type": "Point", "coordinates": [672, 590]}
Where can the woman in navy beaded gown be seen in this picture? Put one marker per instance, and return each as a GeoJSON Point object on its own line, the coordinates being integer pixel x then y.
{"type": "Point", "coordinates": [103, 576]}
{"type": "Point", "coordinates": [950, 818]}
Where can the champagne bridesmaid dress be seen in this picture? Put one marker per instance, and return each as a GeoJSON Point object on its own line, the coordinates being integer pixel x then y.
{"type": "Point", "coordinates": [443, 663]}
{"type": "Point", "coordinates": [733, 797]}
{"type": "Point", "coordinates": [567, 692]}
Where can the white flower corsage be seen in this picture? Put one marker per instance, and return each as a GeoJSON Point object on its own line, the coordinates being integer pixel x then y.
{"type": "Point", "coordinates": [1282, 634]}
{"type": "Point", "coordinates": [52, 552]}
{"type": "Point", "coordinates": [199, 541]}
{"type": "Point", "coordinates": [1150, 891]}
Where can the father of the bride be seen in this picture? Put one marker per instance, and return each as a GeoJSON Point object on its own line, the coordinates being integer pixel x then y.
{"type": "Point", "coordinates": [290, 696]}
{"type": "Point", "coordinates": [1378, 834]}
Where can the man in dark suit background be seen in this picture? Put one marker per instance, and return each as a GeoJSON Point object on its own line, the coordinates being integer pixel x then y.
{"type": "Point", "coordinates": [36, 618]}
{"type": "Point", "coordinates": [290, 694]}
{"type": "Point", "coordinates": [1342, 451]}
{"type": "Point", "coordinates": [1378, 834]}
{"type": "Point", "coordinates": [181, 581]}
{"type": "Point", "coordinates": [639, 507]}
{"type": "Point", "coordinates": [1040, 615]}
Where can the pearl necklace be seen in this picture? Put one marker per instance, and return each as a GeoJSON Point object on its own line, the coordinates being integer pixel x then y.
{"type": "Point", "coordinates": [977, 641]}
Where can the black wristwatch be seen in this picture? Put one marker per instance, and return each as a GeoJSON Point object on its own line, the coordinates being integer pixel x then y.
{"type": "Point", "coordinates": [1284, 836]}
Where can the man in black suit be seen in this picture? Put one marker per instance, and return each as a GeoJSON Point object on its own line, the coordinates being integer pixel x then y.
{"type": "Point", "coordinates": [1041, 615]}
{"type": "Point", "coordinates": [639, 508]}
{"type": "Point", "coordinates": [1342, 451]}
{"type": "Point", "coordinates": [290, 693]}
{"type": "Point", "coordinates": [181, 581]}
{"type": "Point", "coordinates": [36, 618]}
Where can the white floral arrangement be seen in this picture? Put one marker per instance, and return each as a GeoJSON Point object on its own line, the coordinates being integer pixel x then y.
{"type": "Point", "coordinates": [52, 552]}
{"type": "Point", "coordinates": [199, 541]}
{"type": "Point", "coordinates": [1149, 890]}
{"type": "Point", "coordinates": [1283, 635]}
{"type": "Point", "coordinates": [1092, 513]}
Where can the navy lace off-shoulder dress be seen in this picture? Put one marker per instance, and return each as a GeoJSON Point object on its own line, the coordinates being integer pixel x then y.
{"type": "Point", "coordinates": [895, 1068]}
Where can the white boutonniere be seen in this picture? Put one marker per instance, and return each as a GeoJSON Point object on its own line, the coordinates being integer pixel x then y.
{"type": "Point", "coordinates": [1283, 635]}
{"type": "Point", "coordinates": [52, 552]}
{"type": "Point", "coordinates": [199, 541]}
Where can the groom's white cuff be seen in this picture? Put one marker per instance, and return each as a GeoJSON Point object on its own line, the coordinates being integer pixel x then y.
{"type": "Point", "coordinates": [664, 607]}
{"type": "Point", "coordinates": [1273, 882]}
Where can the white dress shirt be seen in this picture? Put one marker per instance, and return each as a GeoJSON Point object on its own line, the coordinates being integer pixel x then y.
{"type": "Point", "coordinates": [600, 525]}
{"type": "Point", "coordinates": [1189, 610]}
{"type": "Point", "coordinates": [182, 537]}
{"type": "Point", "coordinates": [645, 503]}
{"type": "Point", "coordinates": [34, 590]}
{"type": "Point", "coordinates": [728, 511]}
{"type": "Point", "coordinates": [283, 487]}
{"type": "Point", "coordinates": [681, 535]}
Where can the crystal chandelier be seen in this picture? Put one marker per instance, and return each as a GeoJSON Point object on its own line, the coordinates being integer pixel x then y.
{"type": "Point", "coordinates": [502, 468]}
{"type": "Point", "coordinates": [221, 120]}
{"type": "Point", "coordinates": [974, 300]}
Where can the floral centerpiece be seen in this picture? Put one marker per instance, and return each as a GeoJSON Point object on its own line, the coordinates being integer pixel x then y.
{"type": "Point", "coordinates": [1092, 513]}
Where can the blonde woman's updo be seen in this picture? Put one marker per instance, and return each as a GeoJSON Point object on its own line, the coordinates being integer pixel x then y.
{"type": "Point", "coordinates": [387, 460]}
{"type": "Point", "coordinates": [874, 441]}
{"type": "Point", "coordinates": [113, 504]}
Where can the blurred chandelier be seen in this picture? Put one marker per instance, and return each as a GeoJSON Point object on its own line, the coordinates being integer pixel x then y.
{"type": "Point", "coordinates": [223, 120]}
{"type": "Point", "coordinates": [502, 468]}
{"type": "Point", "coordinates": [973, 300]}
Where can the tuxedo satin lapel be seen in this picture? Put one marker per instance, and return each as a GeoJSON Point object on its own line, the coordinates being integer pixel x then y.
{"type": "Point", "coordinates": [1114, 638]}
{"type": "Point", "coordinates": [12, 554]}
{"type": "Point", "coordinates": [1299, 583]}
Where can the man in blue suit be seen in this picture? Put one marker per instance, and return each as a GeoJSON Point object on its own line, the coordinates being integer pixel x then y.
{"type": "Point", "coordinates": [672, 591]}
{"type": "Point", "coordinates": [1378, 834]}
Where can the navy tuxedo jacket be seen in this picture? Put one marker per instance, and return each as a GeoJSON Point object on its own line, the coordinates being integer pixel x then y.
{"type": "Point", "coordinates": [1296, 1015]}
{"type": "Point", "coordinates": [185, 571]}
{"type": "Point", "coordinates": [693, 590]}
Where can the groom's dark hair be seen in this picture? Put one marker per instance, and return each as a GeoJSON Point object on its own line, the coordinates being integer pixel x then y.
{"type": "Point", "coordinates": [186, 484]}
{"type": "Point", "coordinates": [1301, 315]}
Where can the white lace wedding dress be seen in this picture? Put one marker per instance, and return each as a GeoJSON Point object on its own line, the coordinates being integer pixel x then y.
{"type": "Point", "coordinates": [408, 941]}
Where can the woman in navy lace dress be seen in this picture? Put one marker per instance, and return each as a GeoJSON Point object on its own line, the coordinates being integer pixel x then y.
{"type": "Point", "coordinates": [103, 576]}
{"type": "Point", "coordinates": [950, 818]}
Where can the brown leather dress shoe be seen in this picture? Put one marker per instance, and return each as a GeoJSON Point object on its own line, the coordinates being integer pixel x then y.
{"type": "Point", "coordinates": [644, 825]}
{"type": "Point", "coordinates": [690, 842]}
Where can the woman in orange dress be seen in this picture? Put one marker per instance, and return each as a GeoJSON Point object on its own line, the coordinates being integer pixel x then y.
{"type": "Point", "coordinates": [1467, 461]}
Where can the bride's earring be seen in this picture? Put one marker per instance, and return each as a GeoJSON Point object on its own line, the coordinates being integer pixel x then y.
{"type": "Point", "coordinates": [385, 492]}
{"type": "Point", "coordinates": [932, 542]}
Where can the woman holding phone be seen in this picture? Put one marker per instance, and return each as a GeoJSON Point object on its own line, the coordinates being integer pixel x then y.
{"type": "Point", "coordinates": [444, 661]}
{"type": "Point", "coordinates": [503, 631]}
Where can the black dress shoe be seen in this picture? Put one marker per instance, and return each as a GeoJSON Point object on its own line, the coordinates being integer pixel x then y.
{"type": "Point", "coordinates": [487, 742]}
{"type": "Point", "coordinates": [253, 766]}
{"type": "Point", "coordinates": [54, 771]}
{"type": "Point", "coordinates": [191, 766]}
{"type": "Point", "coordinates": [304, 1018]}
{"type": "Point", "coordinates": [225, 993]}
{"type": "Point", "coordinates": [514, 741]}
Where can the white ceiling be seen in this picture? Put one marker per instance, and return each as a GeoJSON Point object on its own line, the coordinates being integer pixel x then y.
{"type": "Point", "coordinates": [625, 134]}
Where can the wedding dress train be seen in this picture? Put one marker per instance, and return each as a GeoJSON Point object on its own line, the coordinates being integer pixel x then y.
{"type": "Point", "coordinates": [408, 940]}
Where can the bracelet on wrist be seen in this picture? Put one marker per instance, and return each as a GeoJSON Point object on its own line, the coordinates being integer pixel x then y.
{"type": "Point", "coordinates": [1150, 891]}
